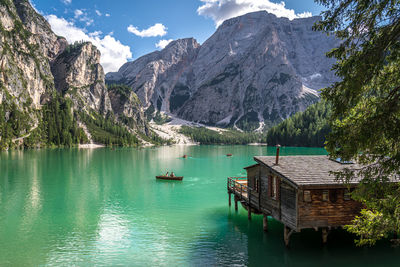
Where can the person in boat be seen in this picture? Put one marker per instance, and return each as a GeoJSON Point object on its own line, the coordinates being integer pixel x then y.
{"type": "Point", "coordinates": [172, 174]}
{"type": "Point", "coordinates": [166, 174]}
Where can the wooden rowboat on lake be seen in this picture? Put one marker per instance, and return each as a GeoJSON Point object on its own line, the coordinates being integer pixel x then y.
{"type": "Point", "coordinates": [169, 177]}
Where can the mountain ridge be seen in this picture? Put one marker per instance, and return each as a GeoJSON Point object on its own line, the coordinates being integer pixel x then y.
{"type": "Point", "coordinates": [255, 70]}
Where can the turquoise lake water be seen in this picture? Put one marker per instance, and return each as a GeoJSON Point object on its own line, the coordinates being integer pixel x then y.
{"type": "Point", "coordinates": [104, 207]}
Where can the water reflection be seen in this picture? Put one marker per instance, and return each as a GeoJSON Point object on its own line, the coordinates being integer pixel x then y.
{"type": "Point", "coordinates": [105, 207]}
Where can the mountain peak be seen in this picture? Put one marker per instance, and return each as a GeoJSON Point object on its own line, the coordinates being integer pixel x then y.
{"type": "Point", "coordinates": [264, 16]}
{"type": "Point", "coordinates": [190, 42]}
{"type": "Point", "coordinates": [255, 70]}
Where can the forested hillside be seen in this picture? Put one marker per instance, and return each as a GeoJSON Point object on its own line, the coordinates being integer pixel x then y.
{"type": "Point", "coordinates": [51, 91]}
{"type": "Point", "coordinates": [307, 128]}
{"type": "Point", "coordinates": [206, 136]}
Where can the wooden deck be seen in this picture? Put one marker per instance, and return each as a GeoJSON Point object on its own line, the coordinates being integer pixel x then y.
{"type": "Point", "coordinates": [247, 196]}
{"type": "Point", "coordinates": [238, 186]}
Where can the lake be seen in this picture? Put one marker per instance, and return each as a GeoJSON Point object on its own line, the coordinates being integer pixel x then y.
{"type": "Point", "coordinates": [105, 207]}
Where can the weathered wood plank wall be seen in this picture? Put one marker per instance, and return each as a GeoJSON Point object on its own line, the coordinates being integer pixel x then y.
{"type": "Point", "coordinates": [320, 213]}
{"type": "Point", "coordinates": [288, 205]}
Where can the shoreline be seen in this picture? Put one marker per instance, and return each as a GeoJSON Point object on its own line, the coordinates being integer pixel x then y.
{"type": "Point", "coordinates": [257, 144]}
{"type": "Point", "coordinates": [91, 146]}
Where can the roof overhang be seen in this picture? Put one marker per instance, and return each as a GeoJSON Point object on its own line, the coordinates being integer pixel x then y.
{"type": "Point", "coordinates": [277, 173]}
{"type": "Point", "coordinates": [251, 166]}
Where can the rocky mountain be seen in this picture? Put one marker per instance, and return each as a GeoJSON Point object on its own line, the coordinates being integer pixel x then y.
{"type": "Point", "coordinates": [155, 75]}
{"type": "Point", "coordinates": [127, 107]}
{"type": "Point", "coordinates": [79, 75]}
{"type": "Point", "coordinates": [255, 70]}
{"type": "Point", "coordinates": [48, 87]}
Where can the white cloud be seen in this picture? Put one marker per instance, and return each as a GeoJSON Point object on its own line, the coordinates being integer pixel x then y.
{"type": "Point", "coordinates": [98, 12]}
{"type": "Point", "coordinates": [113, 53]}
{"type": "Point", "coordinates": [107, 15]}
{"type": "Point", "coordinates": [83, 16]}
{"type": "Point", "coordinates": [95, 33]}
{"type": "Point", "coordinates": [163, 43]}
{"type": "Point", "coordinates": [78, 13]}
{"type": "Point", "coordinates": [66, 2]}
{"type": "Point", "coordinates": [220, 10]}
{"type": "Point", "coordinates": [156, 30]}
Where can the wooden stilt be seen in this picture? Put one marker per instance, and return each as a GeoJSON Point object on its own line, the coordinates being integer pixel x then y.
{"type": "Point", "coordinates": [265, 223]}
{"type": "Point", "coordinates": [229, 199]}
{"type": "Point", "coordinates": [236, 205]}
{"type": "Point", "coordinates": [325, 233]}
{"type": "Point", "coordinates": [249, 213]}
{"type": "Point", "coordinates": [287, 232]}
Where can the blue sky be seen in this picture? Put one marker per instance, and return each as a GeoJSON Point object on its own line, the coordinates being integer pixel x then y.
{"type": "Point", "coordinates": [124, 30]}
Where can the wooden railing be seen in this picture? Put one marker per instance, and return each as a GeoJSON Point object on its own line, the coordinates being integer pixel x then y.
{"type": "Point", "coordinates": [238, 186]}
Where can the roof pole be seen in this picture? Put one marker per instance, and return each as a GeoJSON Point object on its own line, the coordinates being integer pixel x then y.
{"type": "Point", "coordinates": [277, 154]}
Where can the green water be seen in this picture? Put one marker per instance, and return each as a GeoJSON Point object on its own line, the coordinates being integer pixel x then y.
{"type": "Point", "coordinates": [104, 207]}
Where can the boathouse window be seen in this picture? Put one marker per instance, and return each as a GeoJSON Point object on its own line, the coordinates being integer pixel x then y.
{"type": "Point", "coordinates": [325, 195]}
{"type": "Point", "coordinates": [333, 195]}
{"type": "Point", "coordinates": [347, 194]}
{"type": "Point", "coordinates": [307, 196]}
{"type": "Point", "coordinates": [257, 185]}
{"type": "Point", "coordinates": [273, 186]}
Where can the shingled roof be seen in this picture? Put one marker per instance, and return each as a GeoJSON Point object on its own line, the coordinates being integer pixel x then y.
{"type": "Point", "coordinates": [306, 170]}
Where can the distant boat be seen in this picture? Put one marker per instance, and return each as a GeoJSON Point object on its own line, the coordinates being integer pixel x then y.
{"type": "Point", "coordinates": [229, 155]}
{"type": "Point", "coordinates": [169, 177]}
{"type": "Point", "coordinates": [184, 156]}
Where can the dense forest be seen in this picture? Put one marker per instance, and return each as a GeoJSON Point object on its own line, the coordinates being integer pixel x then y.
{"type": "Point", "coordinates": [122, 89]}
{"type": "Point", "coordinates": [12, 123]}
{"type": "Point", "coordinates": [206, 136]}
{"type": "Point", "coordinates": [308, 128]}
{"type": "Point", "coordinates": [105, 130]}
{"type": "Point", "coordinates": [58, 127]}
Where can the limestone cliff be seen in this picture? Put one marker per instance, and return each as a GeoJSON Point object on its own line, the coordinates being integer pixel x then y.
{"type": "Point", "coordinates": [38, 69]}
{"type": "Point", "coordinates": [153, 76]}
{"type": "Point", "coordinates": [255, 70]}
{"type": "Point", "coordinates": [79, 75]}
{"type": "Point", "coordinates": [127, 107]}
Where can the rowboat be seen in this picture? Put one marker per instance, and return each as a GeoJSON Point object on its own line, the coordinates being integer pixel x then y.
{"type": "Point", "coordinates": [168, 177]}
{"type": "Point", "coordinates": [229, 155]}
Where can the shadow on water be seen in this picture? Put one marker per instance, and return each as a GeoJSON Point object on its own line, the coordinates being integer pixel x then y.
{"type": "Point", "coordinates": [237, 241]}
{"type": "Point", "coordinates": [169, 181]}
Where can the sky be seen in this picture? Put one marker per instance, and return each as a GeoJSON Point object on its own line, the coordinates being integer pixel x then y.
{"type": "Point", "coordinates": [124, 30]}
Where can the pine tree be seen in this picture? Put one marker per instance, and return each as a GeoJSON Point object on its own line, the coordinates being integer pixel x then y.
{"type": "Point", "coordinates": [366, 107]}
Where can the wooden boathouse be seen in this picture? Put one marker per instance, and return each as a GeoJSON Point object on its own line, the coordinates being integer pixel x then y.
{"type": "Point", "coordinates": [299, 191]}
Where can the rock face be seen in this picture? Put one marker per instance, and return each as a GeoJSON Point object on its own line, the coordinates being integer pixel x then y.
{"type": "Point", "coordinates": [255, 69]}
{"type": "Point", "coordinates": [79, 75]}
{"type": "Point", "coordinates": [126, 105]}
{"type": "Point", "coordinates": [35, 64]}
{"type": "Point", "coordinates": [26, 52]}
{"type": "Point", "coordinates": [153, 76]}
